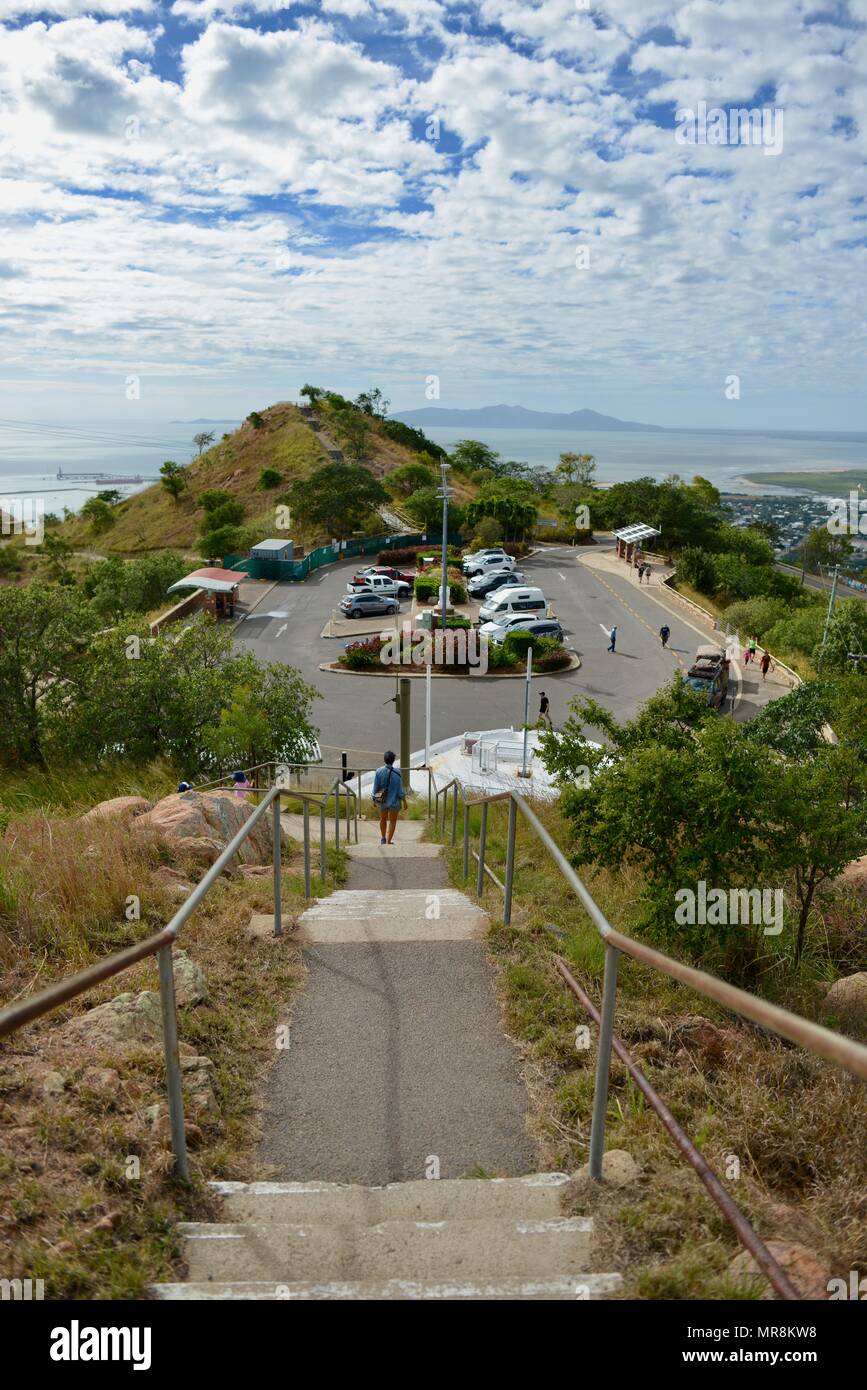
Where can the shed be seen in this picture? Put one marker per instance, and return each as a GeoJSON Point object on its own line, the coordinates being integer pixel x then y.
{"type": "Point", "coordinates": [272, 550]}
{"type": "Point", "coordinates": [630, 539]}
{"type": "Point", "coordinates": [216, 587]}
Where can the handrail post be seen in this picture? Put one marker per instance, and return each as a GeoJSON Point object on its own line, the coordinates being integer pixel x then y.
{"type": "Point", "coordinates": [483, 835]}
{"type": "Point", "coordinates": [510, 860]}
{"type": "Point", "coordinates": [322, 850]}
{"type": "Point", "coordinates": [307, 892]}
{"type": "Point", "coordinates": [428, 793]}
{"type": "Point", "coordinates": [466, 840]}
{"type": "Point", "coordinates": [335, 787]}
{"type": "Point", "coordinates": [455, 814]}
{"type": "Point", "coordinates": [348, 815]}
{"type": "Point", "coordinates": [276, 835]}
{"type": "Point", "coordinates": [603, 1062]}
{"type": "Point", "coordinates": [173, 1061]}
{"type": "Point", "coordinates": [358, 806]}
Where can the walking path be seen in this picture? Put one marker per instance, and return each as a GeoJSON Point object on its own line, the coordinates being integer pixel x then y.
{"type": "Point", "coordinates": [398, 1084]}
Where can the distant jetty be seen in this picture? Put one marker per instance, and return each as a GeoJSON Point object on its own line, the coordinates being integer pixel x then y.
{"type": "Point", "coordinates": [103, 478]}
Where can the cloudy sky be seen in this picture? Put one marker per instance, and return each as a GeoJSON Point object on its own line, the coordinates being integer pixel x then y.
{"type": "Point", "coordinates": [226, 199]}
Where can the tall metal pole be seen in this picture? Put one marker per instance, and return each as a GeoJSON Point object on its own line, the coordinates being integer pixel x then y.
{"type": "Point", "coordinates": [603, 1062]}
{"type": "Point", "coordinates": [173, 1062]}
{"type": "Point", "coordinates": [527, 709]}
{"type": "Point", "coordinates": [276, 834]}
{"type": "Point", "coordinates": [427, 694]}
{"type": "Point", "coordinates": [444, 468]}
{"type": "Point", "coordinates": [405, 713]}
{"type": "Point", "coordinates": [830, 611]}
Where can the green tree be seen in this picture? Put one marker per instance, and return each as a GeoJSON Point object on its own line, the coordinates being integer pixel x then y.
{"type": "Point", "coordinates": [576, 469]}
{"type": "Point", "coordinates": [257, 419]}
{"type": "Point", "coordinates": [471, 455]}
{"type": "Point", "coordinates": [847, 632]}
{"type": "Point", "coordinates": [111, 495]}
{"type": "Point", "coordinates": [203, 439]}
{"type": "Point", "coordinates": [820, 547]}
{"type": "Point", "coordinates": [269, 478]}
{"type": "Point", "coordinates": [336, 498]}
{"type": "Point", "coordinates": [173, 478]}
{"type": "Point", "coordinates": [99, 514]}
{"type": "Point", "coordinates": [426, 508]}
{"type": "Point", "coordinates": [214, 497]}
{"type": "Point", "coordinates": [44, 634]}
{"type": "Point", "coordinates": [311, 393]}
{"type": "Point", "coordinates": [58, 553]}
{"type": "Point", "coordinates": [408, 478]}
{"type": "Point", "coordinates": [373, 402]}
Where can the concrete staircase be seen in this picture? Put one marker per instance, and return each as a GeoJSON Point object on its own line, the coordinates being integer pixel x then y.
{"type": "Point", "coordinates": [397, 1055]}
{"type": "Point", "coordinates": [466, 1238]}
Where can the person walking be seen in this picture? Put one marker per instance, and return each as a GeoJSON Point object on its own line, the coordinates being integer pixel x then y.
{"type": "Point", "coordinates": [545, 710]}
{"type": "Point", "coordinates": [613, 636]}
{"type": "Point", "coordinates": [753, 645]}
{"type": "Point", "coordinates": [647, 573]}
{"type": "Point", "coordinates": [389, 797]}
{"type": "Point", "coordinates": [240, 785]}
{"type": "Point", "coordinates": [765, 664]}
{"type": "Point", "coordinates": [664, 634]}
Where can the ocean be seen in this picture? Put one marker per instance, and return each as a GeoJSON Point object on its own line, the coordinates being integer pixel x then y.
{"type": "Point", "coordinates": [31, 454]}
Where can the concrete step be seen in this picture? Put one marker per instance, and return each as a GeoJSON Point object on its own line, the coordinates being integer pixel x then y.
{"type": "Point", "coordinates": [368, 830]}
{"type": "Point", "coordinates": [331, 1203]}
{"type": "Point", "coordinates": [403, 914]}
{"type": "Point", "coordinates": [581, 1286]}
{"type": "Point", "coordinates": [467, 1251]}
{"type": "Point", "coordinates": [398, 849]}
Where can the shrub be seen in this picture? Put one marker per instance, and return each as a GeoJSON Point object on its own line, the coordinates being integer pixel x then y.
{"type": "Point", "coordinates": [549, 655]}
{"type": "Point", "coordinates": [499, 659]}
{"type": "Point", "coordinates": [518, 642]}
{"type": "Point", "coordinates": [268, 478]}
{"type": "Point", "coordinates": [756, 615]}
{"type": "Point", "coordinates": [696, 568]}
{"type": "Point", "coordinates": [213, 498]}
{"type": "Point", "coordinates": [362, 656]}
{"type": "Point", "coordinates": [410, 554]}
{"type": "Point", "coordinates": [256, 420]}
{"type": "Point", "coordinates": [427, 586]}
{"type": "Point", "coordinates": [488, 531]}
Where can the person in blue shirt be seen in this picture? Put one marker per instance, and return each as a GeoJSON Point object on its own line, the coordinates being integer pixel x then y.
{"type": "Point", "coordinates": [389, 797]}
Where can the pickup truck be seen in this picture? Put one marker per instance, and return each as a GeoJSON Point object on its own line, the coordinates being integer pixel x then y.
{"type": "Point", "coordinates": [378, 584]}
{"type": "Point", "coordinates": [709, 674]}
{"type": "Point", "coordinates": [401, 576]}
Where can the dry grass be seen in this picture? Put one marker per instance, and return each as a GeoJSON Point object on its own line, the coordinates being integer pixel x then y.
{"type": "Point", "coordinates": [793, 1123]}
{"type": "Point", "coordinates": [88, 1200]}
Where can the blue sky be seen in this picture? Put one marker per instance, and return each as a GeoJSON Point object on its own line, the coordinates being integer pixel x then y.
{"type": "Point", "coordinates": [490, 201]}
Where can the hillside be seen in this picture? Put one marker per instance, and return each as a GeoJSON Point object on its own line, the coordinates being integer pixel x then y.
{"type": "Point", "coordinates": [285, 442]}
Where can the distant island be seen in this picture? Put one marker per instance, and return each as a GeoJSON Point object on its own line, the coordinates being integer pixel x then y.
{"type": "Point", "coordinates": [830, 481]}
{"type": "Point", "coordinates": [516, 417]}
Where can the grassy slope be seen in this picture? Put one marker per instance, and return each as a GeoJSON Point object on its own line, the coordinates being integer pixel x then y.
{"type": "Point", "coordinates": [151, 520]}
{"type": "Point", "coordinates": [791, 1120]}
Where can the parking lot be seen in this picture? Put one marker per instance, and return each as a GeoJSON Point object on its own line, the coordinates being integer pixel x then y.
{"type": "Point", "coordinates": [288, 624]}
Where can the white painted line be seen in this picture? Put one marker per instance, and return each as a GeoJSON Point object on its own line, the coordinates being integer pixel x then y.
{"type": "Point", "coordinates": [561, 576]}
{"type": "Point", "coordinates": [281, 630]}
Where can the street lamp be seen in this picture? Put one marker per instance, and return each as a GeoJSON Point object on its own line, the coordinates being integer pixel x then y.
{"type": "Point", "coordinates": [445, 492]}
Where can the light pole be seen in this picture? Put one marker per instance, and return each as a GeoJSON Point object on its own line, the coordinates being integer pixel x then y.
{"type": "Point", "coordinates": [828, 615]}
{"type": "Point", "coordinates": [444, 494]}
{"type": "Point", "coordinates": [524, 772]}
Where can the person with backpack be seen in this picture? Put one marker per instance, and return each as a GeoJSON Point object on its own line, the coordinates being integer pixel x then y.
{"type": "Point", "coordinates": [545, 710]}
{"type": "Point", "coordinates": [664, 634]}
{"type": "Point", "coordinates": [389, 797]}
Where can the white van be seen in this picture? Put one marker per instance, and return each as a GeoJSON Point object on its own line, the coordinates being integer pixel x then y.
{"type": "Point", "coordinates": [505, 602]}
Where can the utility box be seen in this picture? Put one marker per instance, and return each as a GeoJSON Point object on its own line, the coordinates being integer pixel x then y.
{"type": "Point", "coordinates": [272, 550]}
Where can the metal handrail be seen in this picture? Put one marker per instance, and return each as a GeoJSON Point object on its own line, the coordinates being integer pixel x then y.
{"type": "Point", "coordinates": [845, 1052]}
{"type": "Point", "coordinates": [161, 945]}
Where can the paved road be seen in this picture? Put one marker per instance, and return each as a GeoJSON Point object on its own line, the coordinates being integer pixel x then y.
{"type": "Point", "coordinates": [355, 710]}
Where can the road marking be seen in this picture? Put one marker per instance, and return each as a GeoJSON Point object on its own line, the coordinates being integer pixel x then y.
{"type": "Point", "coordinates": [561, 576]}
{"type": "Point", "coordinates": [281, 630]}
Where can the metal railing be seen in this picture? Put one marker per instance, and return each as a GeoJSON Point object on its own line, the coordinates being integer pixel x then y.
{"type": "Point", "coordinates": [844, 1052]}
{"type": "Point", "coordinates": [161, 944]}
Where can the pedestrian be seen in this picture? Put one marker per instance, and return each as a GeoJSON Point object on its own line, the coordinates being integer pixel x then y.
{"type": "Point", "coordinates": [640, 573]}
{"type": "Point", "coordinates": [545, 710]}
{"type": "Point", "coordinates": [184, 787]}
{"type": "Point", "coordinates": [753, 645]}
{"type": "Point", "coordinates": [389, 797]}
{"type": "Point", "coordinates": [613, 635]}
{"type": "Point", "coordinates": [240, 785]}
{"type": "Point", "coordinates": [647, 572]}
{"type": "Point", "coordinates": [765, 664]}
{"type": "Point", "coordinates": [747, 656]}
{"type": "Point", "coordinates": [664, 634]}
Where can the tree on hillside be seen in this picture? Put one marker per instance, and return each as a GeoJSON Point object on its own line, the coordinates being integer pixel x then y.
{"type": "Point", "coordinates": [337, 498]}
{"type": "Point", "coordinates": [352, 428]}
{"type": "Point", "coordinates": [415, 439]}
{"type": "Point", "coordinates": [219, 531]}
{"type": "Point", "coordinates": [99, 514]}
{"type": "Point", "coordinates": [214, 497]}
{"type": "Point", "coordinates": [203, 439]}
{"type": "Point", "coordinates": [44, 634]}
{"type": "Point", "coordinates": [117, 587]}
{"type": "Point", "coordinates": [820, 547]}
{"type": "Point", "coordinates": [510, 503]}
{"type": "Point", "coordinates": [373, 402]}
{"type": "Point", "coordinates": [847, 632]}
{"type": "Point", "coordinates": [173, 478]}
{"type": "Point", "coordinates": [111, 496]}
{"type": "Point", "coordinates": [58, 553]}
{"type": "Point", "coordinates": [470, 455]}
{"type": "Point", "coordinates": [311, 393]}
{"type": "Point", "coordinates": [406, 479]}
{"type": "Point", "coordinates": [576, 468]}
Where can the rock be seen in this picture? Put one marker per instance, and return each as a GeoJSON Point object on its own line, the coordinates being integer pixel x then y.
{"type": "Point", "coordinates": [191, 987]}
{"type": "Point", "coordinates": [125, 807]}
{"type": "Point", "coordinates": [207, 821]}
{"type": "Point", "coordinates": [107, 1222]}
{"type": "Point", "coordinates": [126, 1022]}
{"type": "Point", "coordinates": [198, 1079]}
{"type": "Point", "coordinates": [165, 871]}
{"type": "Point", "coordinates": [804, 1268]}
{"type": "Point", "coordinates": [104, 1081]}
{"type": "Point", "coordinates": [179, 891]}
{"type": "Point", "coordinates": [847, 998]}
{"type": "Point", "coordinates": [174, 881]}
{"type": "Point", "coordinates": [694, 1031]}
{"type": "Point", "coordinates": [53, 1084]}
{"type": "Point", "coordinates": [158, 1118]}
{"type": "Point", "coordinates": [256, 870]}
{"type": "Point", "coordinates": [618, 1168]}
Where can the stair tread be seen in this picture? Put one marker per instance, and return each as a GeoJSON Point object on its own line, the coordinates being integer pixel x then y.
{"type": "Point", "coordinates": [555, 1286]}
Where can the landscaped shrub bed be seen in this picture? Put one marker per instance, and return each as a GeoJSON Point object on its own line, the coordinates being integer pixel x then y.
{"type": "Point", "coordinates": [427, 587]}
{"type": "Point", "coordinates": [411, 555]}
{"type": "Point", "coordinates": [548, 653]}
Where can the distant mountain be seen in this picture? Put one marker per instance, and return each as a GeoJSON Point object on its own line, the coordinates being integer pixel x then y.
{"type": "Point", "coordinates": [516, 417]}
{"type": "Point", "coordinates": [230, 420]}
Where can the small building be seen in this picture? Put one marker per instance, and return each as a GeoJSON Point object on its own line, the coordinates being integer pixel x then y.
{"type": "Point", "coordinates": [631, 539]}
{"type": "Point", "coordinates": [214, 590]}
{"type": "Point", "coordinates": [272, 550]}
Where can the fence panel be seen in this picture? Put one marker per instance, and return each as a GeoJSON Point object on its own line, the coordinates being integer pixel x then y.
{"type": "Point", "coordinates": [284, 571]}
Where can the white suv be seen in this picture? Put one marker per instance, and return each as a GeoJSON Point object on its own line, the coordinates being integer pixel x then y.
{"type": "Point", "coordinates": [486, 564]}
{"type": "Point", "coordinates": [493, 552]}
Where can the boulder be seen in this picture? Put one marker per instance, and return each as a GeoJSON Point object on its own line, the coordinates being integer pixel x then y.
{"type": "Point", "coordinates": [53, 1084]}
{"type": "Point", "coordinates": [191, 987]}
{"type": "Point", "coordinates": [696, 1032]}
{"type": "Point", "coordinates": [103, 1081]}
{"type": "Point", "coordinates": [205, 822]}
{"type": "Point", "coordinates": [198, 1080]}
{"type": "Point", "coordinates": [618, 1168]}
{"type": "Point", "coordinates": [125, 807]}
{"type": "Point", "coordinates": [127, 1022]}
{"type": "Point", "coordinates": [847, 998]}
{"type": "Point", "coordinates": [807, 1272]}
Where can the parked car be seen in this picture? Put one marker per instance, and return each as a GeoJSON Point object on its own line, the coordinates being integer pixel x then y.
{"type": "Point", "coordinates": [709, 674]}
{"type": "Point", "coordinates": [527, 600]}
{"type": "Point", "coordinates": [539, 627]}
{"type": "Point", "coordinates": [402, 576]}
{"type": "Point", "coordinates": [488, 550]}
{"type": "Point", "coordinates": [486, 564]}
{"type": "Point", "coordinates": [379, 584]}
{"type": "Point", "coordinates": [500, 579]}
{"type": "Point", "coordinates": [366, 603]}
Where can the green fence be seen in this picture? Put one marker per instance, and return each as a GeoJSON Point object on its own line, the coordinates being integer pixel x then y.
{"type": "Point", "coordinates": [284, 570]}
